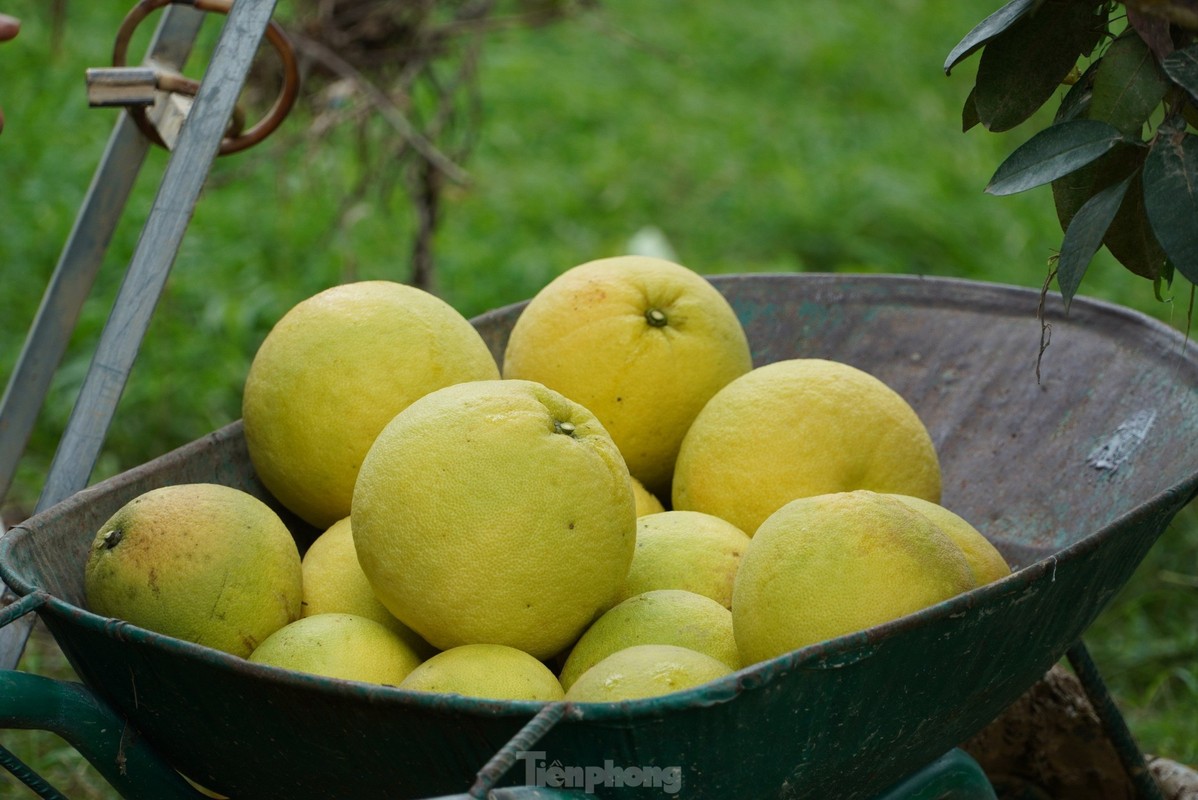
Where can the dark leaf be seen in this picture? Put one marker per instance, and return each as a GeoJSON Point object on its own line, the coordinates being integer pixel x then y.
{"type": "Point", "coordinates": [1171, 195]}
{"type": "Point", "coordinates": [1182, 68]}
{"type": "Point", "coordinates": [969, 113]}
{"type": "Point", "coordinates": [987, 29]}
{"type": "Point", "coordinates": [1022, 67]}
{"type": "Point", "coordinates": [1128, 86]}
{"type": "Point", "coordinates": [1182, 13]}
{"type": "Point", "coordinates": [1153, 30]}
{"type": "Point", "coordinates": [1130, 237]}
{"type": "Point", "coordinates": [1077, 100]}
{"type": "Point", "coordinates": [1084, 236]}
{"type": "Point", "coordinates": [1053, 152]}
{"type": "Point", "coordinates": [1070, 192]}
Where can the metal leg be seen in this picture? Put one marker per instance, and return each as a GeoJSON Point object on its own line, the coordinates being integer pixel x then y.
{"type": "Point", "coordinates": [525, 738]}
{"type": "Point", "coordinates": [117, 751]}
{"type": "Point", "coordinates": [81, 257]}
{"type": "Point", "coordinates": [146, 276]}
{"type": "Point", "coordinates": [36, 783]}
{"type": "Point", "coordinates": [1113, 723]}
{"type": "Point", "coordinates": [72, 282]}
{"type": "Point", "coordinates": [186, 172]}
{"type": "Point", "coordinates": [185, 175]}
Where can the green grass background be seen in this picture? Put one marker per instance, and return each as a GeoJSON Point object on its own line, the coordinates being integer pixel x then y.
{"type": "Point", "coordinates": [771, 136]}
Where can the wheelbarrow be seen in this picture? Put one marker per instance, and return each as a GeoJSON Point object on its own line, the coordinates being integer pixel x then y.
{"type": "Point", "coordinates": [1071, 464]}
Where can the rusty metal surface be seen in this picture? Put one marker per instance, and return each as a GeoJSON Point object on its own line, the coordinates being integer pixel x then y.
{"type": "Point", "coordinates": [1073, 478]}
{"type": "Point", "coordinates": [234, 141]}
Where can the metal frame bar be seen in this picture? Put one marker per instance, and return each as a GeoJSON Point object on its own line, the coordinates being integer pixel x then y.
{"type": "Point", "coordinates": [71, 284]}
{"type": "Point", "coordinates": [186, 172]}
{"type": "Point", "coordinates": [82, 256]}
{"type": "Point", "coordinates": [145, 278]}
{"type": "Point", "coordinates": [184, 178]}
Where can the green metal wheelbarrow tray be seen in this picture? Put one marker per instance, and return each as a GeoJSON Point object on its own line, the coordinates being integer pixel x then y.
{"type": "Point", "coordinates": [1073, 473]}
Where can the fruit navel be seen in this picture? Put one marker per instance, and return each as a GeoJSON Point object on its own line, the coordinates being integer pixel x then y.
{"type": "Point", "coordinates": [656, 317]}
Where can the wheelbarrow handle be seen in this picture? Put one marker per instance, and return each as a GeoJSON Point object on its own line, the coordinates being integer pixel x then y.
{"type": "Point", "coordinates": [953, 776]}
{"type": "Point", "coordinates": [122, 757]}
{"type": "Point", "coordinates": [87, 723]}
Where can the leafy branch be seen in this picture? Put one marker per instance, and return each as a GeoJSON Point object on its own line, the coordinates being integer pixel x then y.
{"type": "Point", "coordinates": [1121, 152]}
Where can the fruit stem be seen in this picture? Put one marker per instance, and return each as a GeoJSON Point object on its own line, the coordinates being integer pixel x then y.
{"type": "Point", "coordinates": [564, 427]}
{"type": "Point", "coordinates": [656, 317]}
{"type": "Point", "coordinates": [112, 538]}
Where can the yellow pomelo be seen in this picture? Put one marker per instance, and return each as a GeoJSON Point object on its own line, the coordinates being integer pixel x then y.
{"type": "Point", "coordinates": [642, 342]}
{"type": "Point", "coordinates": [829, 565]}
{"type": "Point", "coordinates": [334, 583]}
{"type": "Point", "coordinates": [984, 559]}
{"type": "Point", "coordinates": [686, 550]}
{"type": "Point", "coordinates": [495, 512]}
{"type": "Point", "coordinates": [645, 670]}
{"type": "Point", "coordinates": [202, 562]}
{"type": "Point", "coordinates": [342, 646]}
{"type": "Point", "coordinates": [800, 428]}
{"type": "Point", "coordinates": [491, 671]}
{"type": "Point", "coordinates": [646, 501]}
{"type": "Point", "coordinates": [665, 616]}
{"type": "Point", "coordinates": [333, 371]}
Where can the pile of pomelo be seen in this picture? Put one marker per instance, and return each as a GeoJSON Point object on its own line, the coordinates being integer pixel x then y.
{"type": "Point", "coordinates": [626, 508]}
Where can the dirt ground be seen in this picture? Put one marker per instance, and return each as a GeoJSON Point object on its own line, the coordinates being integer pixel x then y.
{"type": "Point", "coordinates": [1050, 745]}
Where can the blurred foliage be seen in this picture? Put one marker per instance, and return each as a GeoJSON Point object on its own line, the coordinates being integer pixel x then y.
{"type": "Point", "coordinates": [754, 140]}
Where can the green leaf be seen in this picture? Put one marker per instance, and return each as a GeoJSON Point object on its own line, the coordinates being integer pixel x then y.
{"type": "Point", "coordinates": [1160, 283]}
{"type": "Point", "coordinates": [1182, 68]}
{"type": "Point", "coordinates": [1022, 66]}
{"type": "Point", "coordinates": [987, 29]}
{"type": "Point", "coordinates": [1129, 238]}
{"type": "Point", "coordinates": [1128, 85]}
{"type": "Point", "coordinates": [1055, 151]}
{"type": "Point", "coordinates": [1084, 236]}
{"type": "Point", "coordinates": [1070, 192]}
{"type": "Point", "coordinates": [1171, 195]}
{"type": "Point", "coordinates": [969, 112]}
{"type": "Point", "coordinates": [1077, 100]}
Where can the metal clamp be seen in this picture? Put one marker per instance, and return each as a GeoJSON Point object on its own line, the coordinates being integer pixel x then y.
{"type": "Point", "coordinates": [158, 99]}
